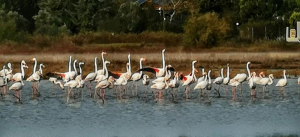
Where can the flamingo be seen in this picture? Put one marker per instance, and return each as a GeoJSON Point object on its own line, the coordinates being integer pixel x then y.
{"type": "Point", "coordinates": [252, 85]}
{"type": "Point", "coordinates": [160, 86]}
{"type": "Point", "coordinates": [188, 80]}
{"type": "Point", "coordinates": [226, 79]}
{"type": "Point", "coordinates": [104, 83]}
{"type": "Point", "coordinates": [174, 84]}
{"type": "Point", "coordinates": [146, 81]}
{"type": "Point", "coordinates": [71, 84]}
{"type": "Point", "coordinates": [53, 80]}
{"type": "Point", "coordinates": [257, 79]}
{"type": "Point", "coordinates": [157, 71]}
{"type": "Point", "coordinates": [41, 68]}
{"type": "Point", "coordinates": [242, 76]}
{"type": "Point", "coordinates": [20, 76]}
{"type": "Point", "coordinates": [203, 85]}
{"type": "Point", "coordinates": [79, 77]}
{"type": "Point", "coordinates": [3, 82]}
{"type": "Point", "coordinates": [219, 81]}
{"type": "Point", "coordinates": [34, 78]}
{"type": "Point", "coordinates": [138, 75]}
{"type": "Point", "coordinates": [122, 80]}
{"type": "Point", "coordinates": [234, 83]}
{"type": "Point", "coordinates": [282, 82]}
{"type": "Point", "coordinates": [74, 73]}
{"type": "Point", "coordinates": [6, 71]}
{"type": "Point", "coordinates": [91, 77]}
{"type": "Point", "coordinates": [266, 81]}
{"type": "Point", "coordinates": [66, 76]}
{"type": "Point", "coordinates": [17, 86]}
{"type": "Point", "coordinates": [203, 76]}
{"type": "Point", "coordinates": [101, 71]}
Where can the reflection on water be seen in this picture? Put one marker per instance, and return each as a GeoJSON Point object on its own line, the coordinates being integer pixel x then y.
{"type": "Point", "coordinates": [49, 115]}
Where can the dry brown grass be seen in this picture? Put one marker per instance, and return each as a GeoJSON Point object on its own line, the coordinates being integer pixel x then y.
{"type": "Point", "coordinates": [269, 62]}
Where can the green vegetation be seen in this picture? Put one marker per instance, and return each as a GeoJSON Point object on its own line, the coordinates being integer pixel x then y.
{"type": "Point", "coordinates": [186, 24]}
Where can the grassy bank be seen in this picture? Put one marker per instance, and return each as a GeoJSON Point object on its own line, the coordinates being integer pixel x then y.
{"type": "Point", "coordinates": [54, 52]}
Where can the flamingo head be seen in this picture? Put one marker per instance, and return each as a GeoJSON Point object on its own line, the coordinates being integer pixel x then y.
{"type": "Point", "coordinates": [33, 59]}
{"type": "Point", "coordinates": [163, 50]}
{"type": "Point", "coordinates": [103, 53]}
{"type": "Point", "coordinates": [23, 64]}
{"type": "Point", "coordinates": [143, 59]}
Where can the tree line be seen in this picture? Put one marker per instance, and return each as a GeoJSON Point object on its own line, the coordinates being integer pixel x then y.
{"type": "Point", "coordinates": [203, 22]}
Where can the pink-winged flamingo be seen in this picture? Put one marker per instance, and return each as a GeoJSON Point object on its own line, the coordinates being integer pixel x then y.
{"type": "Point", "coordinates": [188, 80]}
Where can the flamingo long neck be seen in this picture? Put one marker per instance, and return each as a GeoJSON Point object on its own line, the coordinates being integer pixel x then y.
{"type": "Point", "coordinates": [205, 78]}
{"type": "Point", "coordinates": [284, 76]}
{"type": "Point", "coordinates": [193, 69]}
{"type": "Point", "coordinates": [96, 65]}
{"type": "Point", "coordinates": [227, 72]}
{"type": "Point", "coordinates": [248, 70]}
{"type": "Point", "coordinates": [202, 72]}
{"type": "Point", "coordinates": [102, 56]}
{"type": "Point", "coordinates": [270, 80]}
{"type": "Point", "coordinates": [106, 71]}
{"type": "Point", "coordinates": [222, 73]}
{"type": "Point", "coordinates": [129, 67]}
{"type": "Point", "coordinates": [163, 59]}
{"type": "Point", "coordinates": [22, 71]}
{"type": "Point", "coordinates": [80, 69]}
{"type": "Point", "coordinates": [70, 64]}
{"type": "Point", "coordinates": [209, 79]}
{"type": "Point", "coordinates": [34, 66]}
{"type": "Point", "coordinates": [40, 69]}
{"type": "Point", "coordinates": [74, 66]}
{"type": "Point", "coordinates": [141, 66]}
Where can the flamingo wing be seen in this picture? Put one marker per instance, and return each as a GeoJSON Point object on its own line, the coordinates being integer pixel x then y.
{"type": "Point", "coordinates": [150, 69]}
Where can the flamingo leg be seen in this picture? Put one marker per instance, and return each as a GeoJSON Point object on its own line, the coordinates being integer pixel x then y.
{"type": "Point", "coordinates": [233, 93]}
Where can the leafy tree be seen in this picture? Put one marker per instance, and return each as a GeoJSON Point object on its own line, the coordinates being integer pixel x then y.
{"type": "Point", "coordinates": [131, 17]}
{"type": "Point", "coordinates": [26, 8]}
{"type": "Point", "coordinates": [12, 26]}
{"type": "Point", "coordinates": [206, 30]}
{"type": "Point", "coordinates": [294, 18]}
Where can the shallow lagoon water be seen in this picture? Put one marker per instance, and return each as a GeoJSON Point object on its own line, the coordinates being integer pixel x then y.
{"type": "Point", "coordinates": [51, 116]}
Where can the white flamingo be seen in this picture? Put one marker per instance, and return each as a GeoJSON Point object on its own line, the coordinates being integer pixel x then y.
{"type": "Point", "coordinates": [3, 82]}
{"type": "Point", "coordinates": [20, 76]}
{"type": "Point", "coordinates": [71, 84]}
{"type": "Point", "coordinates": [188, 80]}
{"type": "Point", "coordinates": [203, 76]}
{"type": "Point", "coordinates": [146, 82]}
{"type": "Point", "coordinates": [74, 73]}
{"type": "Point", "coordinates": [79, 77]}
{"type": "Point", "coordinates": [266, 81]}
{"type": "Point", "coordinates": [66, 76]}
{"type": "Point", "coordinates": [104, 84]}
{"type": "Point", "coordinates": [174, 84]}
{"type": "Point", "coordinates": [252, 85]}
{"type": "Point", "coordinates": [203, 85]}
{"type": "Point", "coordinates": [91, 77]}
{"type": "Point", "coordinates": [226, 79]}
{"type": "Point", "coordinates": [242, 76]}
{"type": "Point", "coordinates": [54, 81]}
{"type": "Point", "coordinates": [219, 81]}
{"type": "Point", "coordinates": [159, 72]}
{"type": "Point", "coordinates": [234, 83]}
{"type": "Point", "coordinates": [101, 71]}
{"type": "Point", "coordinates": [138, 75]}
{"type": "Point", "coordinates": [121, 81]}
{"type": "Point", "coordinates": [282, 82]}
{"type": "Point", "coordinates": [160, 86]}
{"type": "Point", "coordinates": [34, 78]}
{"type": "Point", "coordinates": [17, 87]}
{"type": "Point", "coordinates": [6, 71]}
